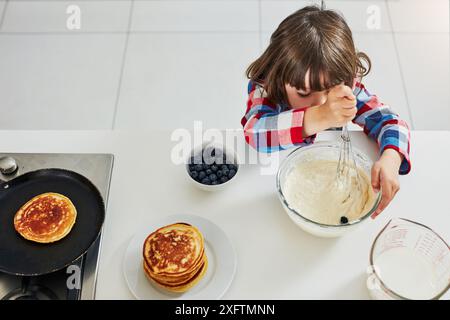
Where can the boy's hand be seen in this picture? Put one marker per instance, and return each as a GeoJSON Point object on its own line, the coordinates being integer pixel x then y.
{"type": "Point", "coordinates": [385, 176]}
{"type": "Point", "coordinates": [340, 107]}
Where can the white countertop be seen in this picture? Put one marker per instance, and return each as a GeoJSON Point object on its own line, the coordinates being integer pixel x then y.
{"type": "Point", "coordinates": [276, 259]}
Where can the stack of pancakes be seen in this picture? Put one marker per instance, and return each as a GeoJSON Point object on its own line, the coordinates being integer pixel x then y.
{"type": "Point", "coordinates": [174, 257]}
{"type": "Point", "coordinates": [46, 218]}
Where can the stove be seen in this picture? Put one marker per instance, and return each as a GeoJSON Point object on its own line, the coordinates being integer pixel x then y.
{"type": "Point", "coordinates": [77, 281]}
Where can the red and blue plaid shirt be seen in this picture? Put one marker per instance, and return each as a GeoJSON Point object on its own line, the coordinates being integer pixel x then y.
{"type": "Point", "coordinates": [270, 127]}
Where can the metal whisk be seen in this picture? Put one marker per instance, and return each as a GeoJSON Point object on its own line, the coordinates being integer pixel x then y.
{"type": "Point", "coordinates": [347, 170]}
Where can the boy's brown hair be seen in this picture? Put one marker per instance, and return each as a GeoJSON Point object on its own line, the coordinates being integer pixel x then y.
{"type": "Point", "coordinates": [309, 39]}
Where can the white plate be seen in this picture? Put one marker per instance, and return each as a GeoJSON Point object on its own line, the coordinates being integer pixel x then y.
{"type": "Point", "coordinates": [218, 248]}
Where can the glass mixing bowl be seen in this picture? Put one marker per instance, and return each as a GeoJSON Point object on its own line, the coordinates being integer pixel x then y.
{"type": "Point", "coordinates": [321, 151]}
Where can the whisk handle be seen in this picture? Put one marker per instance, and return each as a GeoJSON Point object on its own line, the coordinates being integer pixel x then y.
{"type": "Point", "coordinates": [345, 135]}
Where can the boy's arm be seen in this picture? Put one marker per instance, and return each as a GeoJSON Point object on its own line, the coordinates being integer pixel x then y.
{"type": "Point", "coordinates": [267, 128]}
{"type": "Point", "coordinates": [383, 125]}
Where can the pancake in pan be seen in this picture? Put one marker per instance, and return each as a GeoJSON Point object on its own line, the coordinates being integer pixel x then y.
{"type": "Point", "coordinates": [46, 218]}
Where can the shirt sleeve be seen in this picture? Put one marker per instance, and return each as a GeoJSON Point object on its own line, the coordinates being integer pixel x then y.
{"type": "Point", "coordinates": [383, 125]}
{"type": "Point", "coordinates": [269, 128]}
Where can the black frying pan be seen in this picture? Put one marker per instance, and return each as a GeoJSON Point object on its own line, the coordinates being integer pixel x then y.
{"type": "Point", "coordinates": [23, 257]}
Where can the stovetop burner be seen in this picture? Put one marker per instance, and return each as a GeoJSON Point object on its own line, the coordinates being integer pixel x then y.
{"type": "Point", "coordinates": [77, 281]}
{"type": "Point", "coordinates": [31, 292]}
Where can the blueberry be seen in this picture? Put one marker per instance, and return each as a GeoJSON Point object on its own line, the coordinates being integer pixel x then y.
{"type": "Point", "coordinates": [204, 166]}
{"type": "Point", "coordinates": [212, 177]}
{"type": "Point", "coordinates": [223, 179]}
{"type": "Point", "coordinates": [194, 174]}
{"type": "Point", "coordinates": [198, 167]}
{"type": "Point", "coordinates": [231, 173]}
{"type": "Point", "coordinates": [197, 159]}
{"type": "Point", "coordinates": [232, 167]}
{"type": "Point", "coordinates": [214, 167]}
{"type": "Point", "coordinates": [218, 158]}
{"type": "Point", "coordinates": [208, 172]}
{"type": "Point", "coordinates": [224, 167]}
{"type": "Point", "coordinates": [219, 173]}
{"type": "Point", "coordinates": [344, 220]}
{"type": "Point", "coordinates": [214, 182]}
{"type": "Point", "coordinates": [206, 181]}
{"type": "Point", "coordinates": [209, 155]}
{"type": "Point", "coordinates": [201, 175]}
{"type": "Point", "coordinates": [218, 154]}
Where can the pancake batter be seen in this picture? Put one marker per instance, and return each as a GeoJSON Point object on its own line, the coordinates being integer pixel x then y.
{"type": "Point", "coordinates": [310, 188]}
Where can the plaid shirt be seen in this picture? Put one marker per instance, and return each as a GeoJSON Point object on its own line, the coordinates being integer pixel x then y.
{"type": "Point", "coordinates": [272, 127]}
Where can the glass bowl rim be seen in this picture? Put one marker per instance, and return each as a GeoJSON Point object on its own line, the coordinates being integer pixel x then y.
{"type": "Point", "coordinates": [322, 144]}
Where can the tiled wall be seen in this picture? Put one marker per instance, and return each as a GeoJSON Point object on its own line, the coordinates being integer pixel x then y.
{"type": "Point", "coordinates": [162, 64]}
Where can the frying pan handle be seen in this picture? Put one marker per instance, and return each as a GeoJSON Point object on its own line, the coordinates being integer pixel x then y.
{"type": "Point", "coordinates": [25, 283]}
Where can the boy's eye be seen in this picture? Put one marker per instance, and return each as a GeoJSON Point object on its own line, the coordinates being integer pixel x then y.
{"type": "Point", "coordinates": [303, 95]}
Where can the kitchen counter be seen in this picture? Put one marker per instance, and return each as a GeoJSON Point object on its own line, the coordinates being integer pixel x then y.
{"type": "Point", "coordinates": [276, 259]}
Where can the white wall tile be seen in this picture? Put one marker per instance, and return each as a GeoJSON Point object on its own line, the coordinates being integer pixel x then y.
{"type": "Point", "coordinates": [59, 81]}
{"type": "Point", "coordinates": [273, 12]}
{"type": "Point", "coordinates": [171, 80]}
{"type": "Point", "coordinates": [362, 15]}
{"type": "Point", "coordinates": [51, 16]}
{"type": "Point", "coordinates": [384, 79]}
{"type": "Point", "coordinates": [419, 15]}
{"type": "Point", "coordinates": [265, 40]}
{"type": "Point", "coordinates": [2, 7]}
{"type": "Point", "coordinates": [195, 16]}
{"type": "Point", "coordinates": [358, 14]}
{"type": "Point", "coordinates": [424, 59]}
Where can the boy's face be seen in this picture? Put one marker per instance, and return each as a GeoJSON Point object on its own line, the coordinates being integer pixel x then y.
{"type": "Point", "coordinates": [300, 99]}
